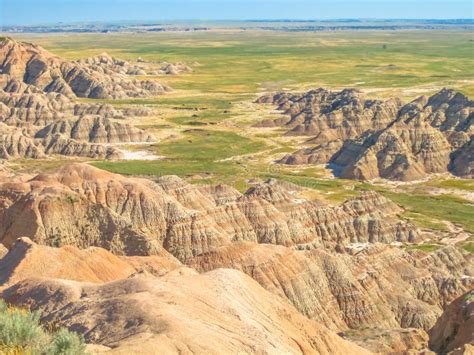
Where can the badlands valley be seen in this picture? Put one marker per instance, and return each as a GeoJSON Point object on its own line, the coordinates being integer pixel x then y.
{"type": "Point", "coordinates": [239, 191]}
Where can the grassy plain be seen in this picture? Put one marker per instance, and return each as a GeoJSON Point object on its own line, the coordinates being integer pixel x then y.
{"type": "Point", "coordinates": [205, 125]}
{"type": "Point", "coordinates": [241, 62]}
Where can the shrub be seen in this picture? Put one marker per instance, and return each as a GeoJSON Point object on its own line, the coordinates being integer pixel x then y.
{"type": "Point", "coordinates": [21, 332]}
{"type": "Point", "coordinates": [66, 342]}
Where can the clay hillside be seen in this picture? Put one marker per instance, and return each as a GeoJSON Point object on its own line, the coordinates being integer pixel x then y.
{"type": "Point", "coordinates": [363, 138]}
{"type": "Point", "coordinates": [126, 261]}
{"type": "Point", "coordinates": [39, 115]}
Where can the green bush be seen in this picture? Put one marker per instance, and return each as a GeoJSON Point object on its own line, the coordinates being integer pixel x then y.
{"type": "Point", "coordinates": [21, 332]}
{"type": "Point", "coordinates": [66, 342]}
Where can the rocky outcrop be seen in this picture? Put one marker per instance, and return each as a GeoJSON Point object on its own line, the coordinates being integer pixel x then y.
{"type": "Point", "coordinates": [95, 129]}
{"type": "Point", "coordinates": [15, 144]}
{"type": "Point", "coordinates": [27, 259]}
{"type": "Point", "coordinates": [331, 117]}
{"type": "Point", "coordinates": [174, 69]}
{"type": "Point", "coordinates": [462, 161]}
{"type": "Point", "coordinates": [381, 285]}
{"type": "Point", "coordinates": [83, 206]}
{"type": "Point", "coordinates": [35, 125]}
{"type": "Point", "coordinates": [333, 264]}
{"type": "Point", "coordinates": [367, 139]}
{"type": "Point", "coordinates": [420, 142]}
{"type": "Point", "coordinates": [454, 329]}
{"type": "Point", "coordinates": [223, 311]}
{"type": "Point", "coordinates": [108, 65]}
{"type": "Point", "coordinates": [58, 144]}
{"type": "Point", "coordinates": [32, 65]}
{"type": "Point", "coordinates": [390, 341]}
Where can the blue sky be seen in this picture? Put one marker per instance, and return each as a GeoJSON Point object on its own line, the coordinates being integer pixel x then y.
{"type": "Point", "coordinates": [53, 11]}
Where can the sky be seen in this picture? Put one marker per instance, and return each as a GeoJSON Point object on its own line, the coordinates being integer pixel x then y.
{"type": "Point", "coordinates": [28, 12]}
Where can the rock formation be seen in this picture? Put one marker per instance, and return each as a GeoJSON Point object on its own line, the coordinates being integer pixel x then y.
{"type": "Point", "coordinates": [32, 65]}
{"type": "Point", "coordinates": [311, 263]}
{"type": "Point", "coordinates": [27, 259]}
{"type": "Point", "coordinates": [419, 142]}
{"type": "Point", "coordinates": [107, 64]}
{"type": "Point", "coordinates": [36, 124]}
{"type": "Point", "coordinates": [84, 206]}
{"type": "Point", "coordinates": [223, 311]}
{"type": "Point", "coordinates": [367, 139]}
{"type": "Point", "coordinates": [455, 327]}
{"type": "Point", "coordinates": [15, 144]}
{"type": "Point", "coordinates": [381, 285]}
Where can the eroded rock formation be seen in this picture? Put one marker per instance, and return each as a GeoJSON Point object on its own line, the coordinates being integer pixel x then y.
{"type": "Point", "coordinates": [317, 264]}
{"type": "Point", "coordinates": [381, 285]}
{"type": "Point", "coordinates": [367, 139]}
{"type": "Point", "coordinates": [39, 124]}
{"type": "Point", "coordinates": [455, 327]}
{"type": "Point", "coordinates": [96, 265]}
{"type": "Point", "coordinates": [223, 311]}
{"type": "Point", "coordinates": [84, 206]}
{"type": "Point", "coordinates": [32, 65]}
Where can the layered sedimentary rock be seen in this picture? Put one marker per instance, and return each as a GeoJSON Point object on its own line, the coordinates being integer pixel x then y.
{"type": "Point", "coordinates": [95, 129]}
{"type": "Point", "coordinates": [382, 285]}
{"type": "Point", "coordinates": [367, 139]}
{"type": "Point", "coordinates": [455, 328]}
{"type": "Point", "coordinates": [33, 125]}
{"type": "Point", "coordinates": [84, 206]}
{"type": "Point", "coordinates": [15, 144]}
{"type": "Point", "coordinates": [331, 116]}
{"type": "Point", "coordinates": [107, 64]}
{"type": "Point", "coordinates": [390, 341]}
{"type": "Point", "coordinates": [223, 311]}
{"type": "Point", "coordinates": [421, 141]}
{"type": "Point", "coordinates": [32, 65]}
{"type": "Point", "coordinates": [333, 264]}
{"type": "Point", "coordinates": [27, 259]}
{"type": "Point", "coordinates": [462, 161]}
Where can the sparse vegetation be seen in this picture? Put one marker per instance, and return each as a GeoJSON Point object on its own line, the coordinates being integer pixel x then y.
{"type": "Point", "coordinates": [22, 333]}
{"type": "Point", "coordinates": [428, 248]}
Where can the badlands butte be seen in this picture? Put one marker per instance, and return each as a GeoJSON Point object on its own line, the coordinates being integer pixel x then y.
{"type": "Point", "coordinates": [159, 263]}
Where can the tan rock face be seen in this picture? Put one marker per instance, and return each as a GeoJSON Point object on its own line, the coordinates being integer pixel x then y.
{"type": "Point", "coordinates": [366, 139]}
{"type": "Point", "coordinates": [15, 144]}
{"type": "Point", "coordinates": [455, 327]}
{"type": "Point", "coordinates": [107, 64]}
{"type": "Point", "coordinates": [330, 116]}
{"type": "Point", "coordinates": [332, 264]}
{"type": "Point", "coordinates": [31, 64]}
{"type": "Point", "coordinates": [381, 286]}
{"type": "Point", "coordinates": [50, 122]}
{"type": "Point", "coordinates": [223, 311]}
{"type": "Point", "coordinates": [27, 259]}
{"type": "Point", "coordinates": [391, 341]}
{"type": "Point", "coordinates": [84, 206]}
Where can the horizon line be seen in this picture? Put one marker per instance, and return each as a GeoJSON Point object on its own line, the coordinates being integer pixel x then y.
{"type": "Point", "coordinates": [336, 19]}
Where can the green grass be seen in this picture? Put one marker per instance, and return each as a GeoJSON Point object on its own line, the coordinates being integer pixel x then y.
{"type": "Point", "coordinates": [424, 221]}
{"type": "Point", "coordinates": [201, 145]}
{"type": "Point", "coordinates": [200, 152]}
{"type": "Point", "coordinates": [461, 184]}
{"type": "Point", "coordinates": [248, 61]}
{"type": "Point", "coordinates": [442, 207]}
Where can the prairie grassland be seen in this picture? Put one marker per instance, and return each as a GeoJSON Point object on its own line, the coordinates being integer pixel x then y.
{"type": "Point", "coordinates": [204, 127]}
{"type": "Point", "coordinates": [391, 62]}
